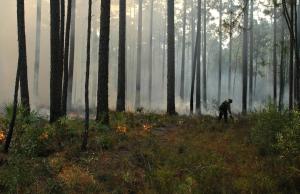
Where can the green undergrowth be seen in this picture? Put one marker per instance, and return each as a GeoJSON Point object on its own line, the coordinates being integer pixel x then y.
{"type": "Point", "coordinates": [151, 153]}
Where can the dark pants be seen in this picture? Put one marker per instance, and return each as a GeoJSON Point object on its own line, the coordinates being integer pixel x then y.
{"type": "Point", "coordinates": [223, 114]}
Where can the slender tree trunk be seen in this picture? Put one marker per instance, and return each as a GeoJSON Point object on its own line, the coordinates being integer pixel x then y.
{"type": "Point", "coordinates": [204, 61]}
{"type": "Point", "coordinates": [275, 57]}
{"type": "Point", "coordinates": [22, 55]}
{"type": "Point", "coordinates": [194, 72]}
{"type": "Point", "coordinates": [71, 56]}
{"type": "Point", "coordinates": [61, 53]}
{"type": "Point", "coordinates": [282, 69]}
{"type": "Point", "coordinates": [171, 60]}
{"type": "Point", "coordinates": [122, 58]}
{"type": "Point", "coordinates": [230, 50]}
{"type": "Point", "coordinates": [297, 56]}
{"type": "Point", "coordinates": [198, 80]}
{"type": "Point", "coordinates": [183, 53]}
{"type": "Point", "coordinates": [251, 56]}
{"type": "Point", "coordinates": [102, 101]}
{"type": "Point", "coordinates": [139, 57]}
{"type": "Point", "coordinates": [220, 51]}
{"type": "Point", "coordinates": [87, 79]}
{"type": "Point", "coordinates": [55, 84]}
{"type": "Point", "coordinates": [291, 65]}
{"type": "Point", "coordinates": [66, 59]}
{"type": "Point", "coordinates": [245, 58]}
{"type": "Point", "coordinates": [37, 48]}
{"type": "Point", "coordinates": [150, 54]}
{"type": "Point", "coordinates": [164, 57]}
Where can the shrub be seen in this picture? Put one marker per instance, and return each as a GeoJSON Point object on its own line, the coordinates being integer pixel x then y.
{"type": "Point", "coordinates": [277, 133]}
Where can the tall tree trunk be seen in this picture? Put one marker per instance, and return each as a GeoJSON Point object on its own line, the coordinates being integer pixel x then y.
{"type": "Point", "coordinates": [37, 48]}
{"type": "Point", "coordinates": [71, 56]}
{"type": "Point", "coordinates": [55, 84]}
{"type": "Point", "coordinates": [61, 53]}
{"type": "Point", "coordinates": [22, 55]}
{"type": "Point", "coordinates": [87, 79]}
{"type": "Point", "coordinates": [220, 51]}
{"type": "Point", "coordinates": [291, 65]}
{"type": "Point", "coordinates": [171, 60]}
{"type": "Point", "coordinates": [275, 56]}
{"type": "Point", "coordinates": [150, 54]}
{"type": "Point", "coordinates": [198, 80]}
{"type": "Point", "coordinates": [297, 56]}
{"type": "Point", "coordinates": [251, 56]}
{"type": "Point", "coordinates": [204, 61]}
{"type": "Point", "coordinates": [230, 49]}
{"type": "Point", "coordinates": [164, 56]}
{"type": "Point", "coordinates": [245, 58]}
{"type": "Point", "coordinates": [66, 59]}
{"type": "Point", "coordinates": [139, 57]}
{"type": "Point", "coordinates": [183, 53]}
{"type": "Point", "coordinates": [122, 58]}
{"type": "Point", "coordinates": [102, 101]}
{"type": "Point", "coordinates": [194, 71]}
{"type": "Point", "coordinates": [282, 63]}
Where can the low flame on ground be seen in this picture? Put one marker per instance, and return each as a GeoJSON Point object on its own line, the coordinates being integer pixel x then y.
{"type": "Point", "coordinates": [147, 128]}
{"type": "Point", "coordinates": [44, 136]}
{"type": "Point", "coordinates": [122, 129]}
{"type": "Point", "coordinates": [2, 136]}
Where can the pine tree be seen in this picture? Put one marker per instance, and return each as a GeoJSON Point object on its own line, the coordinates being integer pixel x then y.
{"type": "Point", "coordinates": [102, 101]}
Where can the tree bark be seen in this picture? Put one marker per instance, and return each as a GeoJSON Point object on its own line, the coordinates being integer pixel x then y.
{"type": "Point", "coordinates": [150, 54]}
{"type": "Point", "coordinates": [245, 58]}
{"type": "Point", "coordinates": [139, 57]}
{"type": "Point", "coordinates": [251, 56]}
{"type": "Point", "coordinates": [71, 56]}
{"type": "Point", "coordinates": [37, 48]}
{"type": "Point", "coordinates": [171, 60]}
{"type": "Point", "coordinates": [66, 59]}
{"type": "Point", "coordinates": [102, 101]}
{"type": "Point", "coordinates": [22, 61]}
{"type": "Point", "coordinates": [183, 53]}
{"type": "Point", "coordinates": [204, 61]}
{"type": "Point", "coordinates": [122, 58]}
{"type": "Point", "coordinates": [87, 80]}
{"type": "Point", "coordinates": [275, 57]}
{"type": "Point", "coordinates": [282, 64]}
{"type": "Point", "coordinates": [55, 84]}
{"type": "Point", "coordinates": [220, 51]}
{"type": "Point", "coordinates": [194, 72]}
{"type": "Point", "coordinates": [198, 71]}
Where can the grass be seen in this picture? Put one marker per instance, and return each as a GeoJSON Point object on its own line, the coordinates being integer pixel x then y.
{"type": "Point", "coordinates": [142, 153]}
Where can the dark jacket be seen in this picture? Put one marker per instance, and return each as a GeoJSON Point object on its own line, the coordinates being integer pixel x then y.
{"type": "Point", "coordinates": [225, 107]}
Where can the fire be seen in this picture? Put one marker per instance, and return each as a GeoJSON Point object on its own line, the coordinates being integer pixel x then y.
{"type": "Point", "coordinates": [44, 136]}
{"type": "Point", "coordinates": [147, 128]}
{"type": "Point", "coordinates": [2, 136]}
{"type": "Point", "coordinates": [122, 129]}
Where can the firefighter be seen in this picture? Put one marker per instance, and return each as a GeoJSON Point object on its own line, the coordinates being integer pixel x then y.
{"type": "Point", "coordinates": [225, 109]}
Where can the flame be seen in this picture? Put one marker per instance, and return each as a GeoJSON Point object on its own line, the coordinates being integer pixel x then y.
{"type": "Point", "coordinates": [2, 136]}
{"type": "Point", "coordinates": [122, 129]}
{"type": "Point", "coordinates": [44, 136]}
{"type": "Point", "coordinates": [147, 128]}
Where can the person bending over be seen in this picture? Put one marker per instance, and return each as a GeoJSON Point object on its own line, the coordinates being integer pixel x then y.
{"type": "Point", "coordinates": [225, 109]}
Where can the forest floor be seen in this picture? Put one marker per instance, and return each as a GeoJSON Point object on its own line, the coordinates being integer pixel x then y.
{"type": "Point", "coordinates": [141, 153]}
